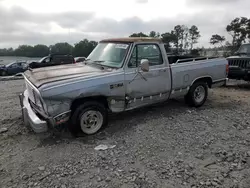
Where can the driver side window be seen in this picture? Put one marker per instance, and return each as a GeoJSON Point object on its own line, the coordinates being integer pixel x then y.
{"type": "Point", "coordinates": [145, 51]}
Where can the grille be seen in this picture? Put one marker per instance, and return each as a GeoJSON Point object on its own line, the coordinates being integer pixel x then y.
{"type": "Point", "coordinates": [242, 63]}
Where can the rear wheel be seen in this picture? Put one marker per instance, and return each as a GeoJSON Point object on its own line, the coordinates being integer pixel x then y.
{"type": "Point", "coordinates": [89, 118]}
{"type": "Point", "coordinates": [197, 94]}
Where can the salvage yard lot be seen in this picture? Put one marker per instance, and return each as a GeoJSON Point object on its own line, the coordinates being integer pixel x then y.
{"type": "Point", "coordinates": [168, 145]}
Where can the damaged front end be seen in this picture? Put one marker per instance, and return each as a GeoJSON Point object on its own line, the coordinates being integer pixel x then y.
{"type": "Point", "coordinates": [36, 113]}
{"type": "Point", "coordinates": [30, 118]}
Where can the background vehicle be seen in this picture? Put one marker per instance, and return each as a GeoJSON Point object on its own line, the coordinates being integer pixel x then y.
{"type": "Point", "coordinates": [239, 65]}
{"type": "Point", "coordinates": [79, 59]}
{"type": "Point", "coordinates": [119, 75]}
{"type": "Point", "coordinates": [52, 60]}
{"type": "Point", "coordinates": [13, 68]}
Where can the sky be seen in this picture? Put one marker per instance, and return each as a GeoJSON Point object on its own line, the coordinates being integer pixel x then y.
{"type": "Point", "coordinates": [51, 21]}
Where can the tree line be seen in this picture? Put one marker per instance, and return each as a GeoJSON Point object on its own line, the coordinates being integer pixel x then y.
{"type": "Point", "coordinates": [238, 29]}
{"type": "Point", "coordinates": [181, 39]}
{"type": "Point", "coordinates": [82, 48]}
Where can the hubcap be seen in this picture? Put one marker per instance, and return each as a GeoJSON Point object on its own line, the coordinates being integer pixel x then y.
{"type": "Point", "coordinates": [199, 94]}
{"type": "Point", "coordinates": [91, 121]}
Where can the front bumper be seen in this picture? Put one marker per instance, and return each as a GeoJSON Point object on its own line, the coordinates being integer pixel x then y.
{"type": "Point", "coordinates": [238, 73]}
{"type": "Point", "coordinates": [29, 116]}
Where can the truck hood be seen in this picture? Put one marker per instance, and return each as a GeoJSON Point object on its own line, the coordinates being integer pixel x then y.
{"type": "Point", "coordinates": [41, 76]}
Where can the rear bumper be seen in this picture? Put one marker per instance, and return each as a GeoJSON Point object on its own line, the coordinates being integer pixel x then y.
{"type": "Point", "coordinates": [29, 116]}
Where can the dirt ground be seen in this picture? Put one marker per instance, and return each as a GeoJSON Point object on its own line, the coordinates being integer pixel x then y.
{"type": "Point", "coordinates": [164, 146]}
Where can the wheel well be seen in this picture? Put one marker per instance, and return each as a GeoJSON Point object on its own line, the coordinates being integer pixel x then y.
{"type": "Point", "coordinates": [78, 101]}
{"type": "Point", "coordinates": [207, 80]}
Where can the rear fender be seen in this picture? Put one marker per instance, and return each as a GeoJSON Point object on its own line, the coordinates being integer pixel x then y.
{"type": "Point", "coordinates": [206, 79]}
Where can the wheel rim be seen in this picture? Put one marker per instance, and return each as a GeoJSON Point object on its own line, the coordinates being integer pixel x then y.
{"type": "Point", "coordinates": [91, 121]}
{"type": "Point", "coordinates": [199, 94]}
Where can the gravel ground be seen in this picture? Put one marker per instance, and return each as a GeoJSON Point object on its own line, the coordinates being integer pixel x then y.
{"type": "Point", "coordinates": [169, 145]}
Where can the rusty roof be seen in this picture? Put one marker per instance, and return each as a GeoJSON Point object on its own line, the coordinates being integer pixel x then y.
{"type": "Point", "coordinates": [133, 39]}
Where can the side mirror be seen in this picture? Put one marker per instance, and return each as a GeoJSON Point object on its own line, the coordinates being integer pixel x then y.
{"type": "Point", "coordinates": [144, 65]}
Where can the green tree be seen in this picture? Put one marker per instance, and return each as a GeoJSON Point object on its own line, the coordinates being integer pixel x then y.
{"type": "Point", "coordinates": [138, 35]}
{"type": "Point", "coordinates": [248, 29]}
{"type": "Point", "coordinates": [239, 29]}
{"type": "Point", "coordinates": [154, 34]}
{"type": "Point", "coordinates": [195, 52]}
{"type": "Point", "coordinates": [62, 48]}
{"type": "Point", "coordinates": [178, 32]}
{"type": "Point", "coordinates": [217, 39]}
{"type": "Point", "coordinates": [184, 37]}
{"type": "Point", "coordinates": [7, 52]}
{"type": "Point", "coordinates": [168, 39]}
{"type": "Point", "coordinates": [84, 48]}
{"type": "Point", "coordinates": [24, 50]}
{"type": "Point", "coordinates": [40, 50]}
{"type": "Point", "coordinates": [194, 35]}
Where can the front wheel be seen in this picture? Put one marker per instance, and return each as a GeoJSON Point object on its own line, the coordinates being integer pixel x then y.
{"type": "Point", "coordinates": [89, 117]}
{"type": "Point", "coordinates": [197, 94]}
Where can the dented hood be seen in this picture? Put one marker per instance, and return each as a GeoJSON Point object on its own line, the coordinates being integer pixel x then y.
{"type": "Point", "coordinates": [41, 76]}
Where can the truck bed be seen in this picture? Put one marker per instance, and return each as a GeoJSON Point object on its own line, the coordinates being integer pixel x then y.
{"type": "Point", "coordinates": [184, 74]}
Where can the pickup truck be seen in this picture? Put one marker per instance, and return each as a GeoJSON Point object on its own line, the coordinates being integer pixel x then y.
{"type": "Point", "coordinates": [119, 75]}
{"type": "Point", "coordinates": [239, 64]}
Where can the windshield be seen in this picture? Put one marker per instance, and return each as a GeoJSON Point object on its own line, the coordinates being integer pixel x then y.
{"type": "Point", "coordinates": [41, 60]}
{"type": "Point", "coordinates": [109, 54]}
{"type": "Point", "coordinates": [10, 64]}
{"type": "Point", "coordinates": [244, 49]}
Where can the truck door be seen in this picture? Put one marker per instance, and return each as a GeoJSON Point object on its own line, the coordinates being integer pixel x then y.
{"type": "Point", "coordinates": [144, 88]}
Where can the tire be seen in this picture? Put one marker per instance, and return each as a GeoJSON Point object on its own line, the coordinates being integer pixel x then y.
{"type": "Point", "coordinates": [197, 101]}
{"type": "Point", "coordinates": [3, 73]}
{"type": "Point", "coordinates": [89, 118]}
